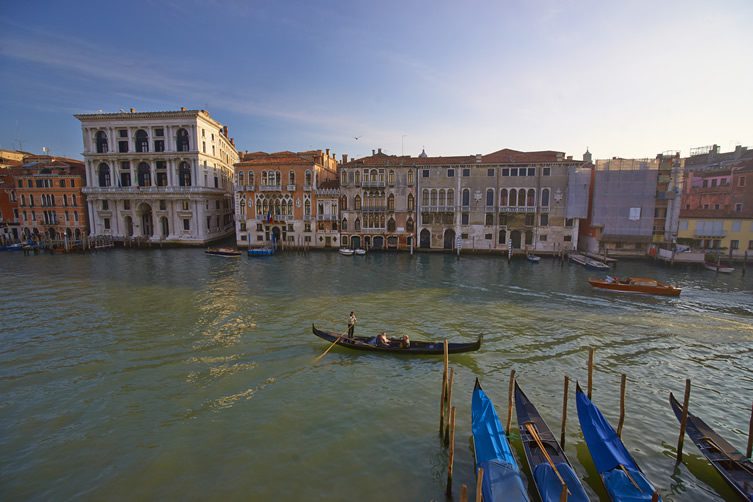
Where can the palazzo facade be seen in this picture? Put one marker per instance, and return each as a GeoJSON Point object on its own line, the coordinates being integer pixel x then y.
{"type": "Point", "coordinates": [159, 176]}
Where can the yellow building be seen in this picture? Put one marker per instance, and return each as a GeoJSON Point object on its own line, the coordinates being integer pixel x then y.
{"type": "Point", "coordinates": [726, 234]}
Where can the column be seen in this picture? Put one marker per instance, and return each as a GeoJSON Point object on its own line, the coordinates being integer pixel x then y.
{"type": "Point", "coordinates": [92, 217]}
{"type": "Point", "coordinates": [153, 173]}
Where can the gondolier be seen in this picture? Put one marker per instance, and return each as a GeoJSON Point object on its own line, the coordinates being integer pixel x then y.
{"type": "Point", "coordinates": [351, 324]}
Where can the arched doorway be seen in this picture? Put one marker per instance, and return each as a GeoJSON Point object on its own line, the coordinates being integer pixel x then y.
{"type": "Point", "coordinates": [165, 227]}
{"type": "Point", "coordinates": [128, 226]}
{"type": "Point", "coordinates": [52, 233]}
{"type": "Point", "coordinates": [378, 242]}
{"type": "Point", "coordinates": [275, 235]}
{"type": "Point", "coordinates": [529, 237]}
{"type": "Point", "coordinates": [449, 239]}
{"type": "Point", "coordinates": [425, 239]}
{"type": "Point", "coordinates": [503, 237]}
{"type": "Point", "coordinates": [78, 234]}
{"type": "Point", "coordinates": [355, 242]}
{"type": "Point", "coordinates": [367, 242]}
{"type": "Point", "coordinates": [515, 238]}
{"type": "Point", "coordinates": [147, 224]}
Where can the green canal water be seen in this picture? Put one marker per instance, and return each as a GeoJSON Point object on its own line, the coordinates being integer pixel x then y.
{"type": "Point", "coordinates": [173, 375]}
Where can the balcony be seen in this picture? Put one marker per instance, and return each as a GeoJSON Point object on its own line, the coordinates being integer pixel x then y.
{"type": "Point", "coordinates": [291, 187]}
{"type": "Point", "coordinates": [373, 184]}
{"type": "Point", "coordinates": [517, 209]}
{"type": "Point", "coordinates": [374, 209]}
{"type": "Point", "coordinates": [326, 217]}
{"type": "Point", "coordinates": [151, 190]}
{"type": "Point", "coordinates": [706, 234]}
{"type": "Point", "coordinates": [307, 188]}
{"type": "Point", "coordinates": [270, 188]}
{"type": "Point", "coordinates": [437, 209]}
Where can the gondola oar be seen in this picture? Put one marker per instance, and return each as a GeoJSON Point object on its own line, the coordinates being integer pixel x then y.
{"type": "Point", "coordinates": [535, 435]}
{"type": "Point", "coordinates": [328, 348]}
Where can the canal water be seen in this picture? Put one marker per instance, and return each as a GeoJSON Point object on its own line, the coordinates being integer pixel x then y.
{"type": "Point", "coordinates": [175, 375]}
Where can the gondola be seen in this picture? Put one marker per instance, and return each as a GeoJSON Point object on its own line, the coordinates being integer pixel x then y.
{"type": "Point", "coordinates": [551, 470]}
{"type": "Point", "coordinates": [502, 479]}
{"type": "Point", "coordinates": [621, 476]}
{"type": "Point", "coordinates": [736, 469]}
{"type": "Point", "coordinates": [224, 252]}
{"type": "Point", "coordinates": [416, 347]}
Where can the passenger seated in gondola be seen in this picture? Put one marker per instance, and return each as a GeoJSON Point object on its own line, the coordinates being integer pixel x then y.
{"type": "Point", "coordinates": [382, 340]}
{"type": "Point", "coordinates": [405, 342]}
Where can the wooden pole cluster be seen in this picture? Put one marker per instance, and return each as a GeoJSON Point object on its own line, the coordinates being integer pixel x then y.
{"type": "Point", "coordinates": [452, 452]}
{"type": "Point", "coordinates": [590, 370]}
{"type": "Point", "coordinates": [564, 413]}
{"type": "Point", "coordinates": [443, 399]}
{"type": "Point", "coordinates": [683, 420]}
{"type": "Point", "coordinates": [509, 402]}
{"type": "Point", "coordinates": [463, 493]}
{"type": "Point", "coordinates": [623, 382]}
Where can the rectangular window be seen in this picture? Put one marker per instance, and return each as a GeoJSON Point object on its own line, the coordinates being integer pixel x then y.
{"type": "Point", "coordinates": [531, 171]}
{"type": "Point", "coordinates": [425, 173]}
{"type": "Point", "coordinates": [259, 237]}
{"type": "Point", "coordinates": [488, 237]}
{"type": "Point", "coordinates": [62, 183]}
{"type": "Point", "coordinates": [186, 224]}
{"type": "Point", "coordinates": [466, 172]}
{"type": "Point", "coordinates": [739, 207]}
{"type": "Point", "coordinates": [750, 245]}
{"type": "Point", "coordinates": [529, 220]}
{"type": "Point", "coordinates": [122, 147]}
{"type": "Point", "coordinates": [514, 171]}
{"type": "Point", "coordinates": [73, 183]}
{"type": "Point", "coordinates": [734, 244]}
{"type": "Point", "coordinates": [159, 145]}
{"type": "Point", "coordinates": [107, 223]}
{"type": "Point", "coordinates": [127, 205]}
{"type": "Point", "coordinates": [184, 205]}
{"type": "Point", "coordinates": [75, 215]}
{"type": "Point", "coordinates": [506, 171]}
{"type": "Point", "coordinates": [122, 133]}
{"type": "Point", "coordinates": [105, 205]}
{"type": "Point", "coordinates": [713, 183]}
{"type": "Point", "coordinates": [741, 181]}
{"type": "Point", "coordinates": [544, 219]}
{"type": "Point", "coordinates": [736, 225]}
{"type": "Point", "coordinates": [502, 218]}
{"type": "Point", "coordinates": [568, 222]}
{"type": "Point", "coordinates": [546, 171]}
{"type": "Point", "coordinates": [307, 238]}
{"type": "Point", "coordinates": [29, 184]}
{"type": "Point", "coordinates": [635, 214]}
{"type": "Point", "coordinates": [489, 219]}
{"type": "Point", "coordinates": [464, 219]}
{"type": "Point", "coordinates": [159, 132]}
{"type": "Point", "coordinates": [306, 227]}
{"type": "Point", "coordinates": [450, 173]}
{"type": "Point", "coordinates": [162, 205]}
{"type": "Point", "coordinates": [568, 238]}
{"type": "Point", "coordinates": [259, 227]}
{"type": "Point", "coordinates": [204, 146]}
{"type": "Point", "coordinates": [463, 236]}
{"type": "Point", "coordinates": [490, 172]}
{"type": "Point", "coordinates": [542, 238]}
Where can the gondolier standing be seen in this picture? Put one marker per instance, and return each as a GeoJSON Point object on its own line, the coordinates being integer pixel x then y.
{"type": "Point", "coordinates": [351, 324]}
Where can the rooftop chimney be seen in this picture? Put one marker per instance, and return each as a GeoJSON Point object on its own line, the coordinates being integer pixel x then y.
{"type": "Point", "coordinates": [478, 158]}
{"type": "Point", "coordinates": [345, 158]}
{"type": "Point", "coordinates": [373, 152]}
{"type": "Point", "coordinates": [327, 152]}
{"type": "Point", "coordinates": [133, 110]}
{"type": "Point", "coordinates": [380, 150]}
{"type": "Point", "coordinates": [224, 129]}
{"type": "Point", "coordinates": [569, 157]}
{"type": "Point", "coordinates": [182, 108]}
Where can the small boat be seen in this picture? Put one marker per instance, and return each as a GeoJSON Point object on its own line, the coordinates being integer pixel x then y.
{"type": "Point", "coordinates": [621, 476]}
{"type": "Point", "coordinates": [226, 252]}
{"type": "Point", "coordinates": [736, 469]}
{"type": "Point", "coordinates": [261, 252]}
{"type": "Point", "coordinates": [502, 479]}
{"type": "Point", "coordinates": [533, 258]}
{"type": "Point", "coordinates": [635, 285]}
{"type": "Point", "coordinates": [360, 251]}
{"type": "Point", "coordinates": [721, 266]}
{"type": "Point", "coordinates": [595, 264]}
{"type": "Point", "coordinates": [12, 247]}
{"type": "Point", "coordinates": [552, 471]}
{"type": "Point", "coordinates": [416, 347]}
{"type": "Point", "coordinates": [346, 252]}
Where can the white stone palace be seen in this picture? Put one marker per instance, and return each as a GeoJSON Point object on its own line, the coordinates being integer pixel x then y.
{"type": "Point", "coordinates": [160, 176]}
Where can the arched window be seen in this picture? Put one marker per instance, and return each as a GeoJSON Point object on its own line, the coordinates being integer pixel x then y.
{"type": "Point", "coordinates": [545, 197]}
{"type": "Point", "coordinates": [277, 207]}
{"type": "Point", "coordinates": [466, 197]}
{"type": "Point", "coordinates": [391, 225]}
{"type": "Point", "coordinates": [251, 179]}
{"type": "Point", "coordinates": [433, 197]}
{"type": "Point", "coordinates": [357, 225]}
{"type": "Point", "coordinates": [522, 197]}
{"type": "Point", "coordinates": [344, 224]}
{"type": "Point", "coordinates": [291, 177]}
{"type": "Point", "coordinates": [240, 177]}
{"type": "Point", "coordinates": [502, 236]}
{"type": "Point", "coordinates": [503, 197]}
{"type": "Point", "coordinates": [441, 198]}
{"type": "Point", "coordinates": [531, 199]}
{"type": "Point", "coordinates": [263, 178]}
{"type": "Point", "coordinates": [343, 178]}
{"type": "Point", "coordinates": [306, 207]}
{"type": "Point", "coordinates": [182, 140]}
{"type": "Point", "coordinates": [410, 176]}
{"type": "Point", "coordinates": [381, 221]}
{"type": "Point", "coordinates": [104, 175]}
{"type": "Point", "coordinates": [391, 203]}
{"type": "Point", "coordinates": [451, 197]}
{"type": "Point", "coordinates": [142, 141]}
{"type": "Point", "coordinates": [243, 208]}
{"type": "Point", "coordinates": [425, 197]}
{"type": "Point", "coordinates": [357, 203]}
{"type": "Point", "coordinates": [391, 177]}
{"type": "Point", "coordinates": [373, 175]}
{"type": "Point", "coordinates": [290, 207]}
{"type": "Point", "coordinates": [409, 225]}
{"type": "Point", "coordinates": [344, 202]}
{"type": "Point", "coordinates": [101, 141]}
{"type": "Point", "coordinates": [358, 178]}
{"type": "Point", "coordinates": [490, 197]}
{"type": "Point", "coordinates": [411, 202]}
{"type": "Point", "coordinates": [144, 175]}
{"type": "Point", "coordinates": [307, 180]}
{"type": "Point", "coordinates": [513, 197]}
{"type": "Point", "coordinates": [184, 174]}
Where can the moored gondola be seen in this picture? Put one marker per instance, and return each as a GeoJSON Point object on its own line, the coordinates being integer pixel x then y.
{"type": "Point", "coordinates": [502, 479]}
{"type": "Point", "coordinates": [552, 471]}
{"type": "Point", "coordinates": [621, 476]}
{"type": "Point", "coordinates": [736, 469]}
{"type": "Point", "coordinates": [368, 343]}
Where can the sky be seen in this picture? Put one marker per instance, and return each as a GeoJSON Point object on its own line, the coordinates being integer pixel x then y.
{"type": "Point", "coordinates": [621, 78]}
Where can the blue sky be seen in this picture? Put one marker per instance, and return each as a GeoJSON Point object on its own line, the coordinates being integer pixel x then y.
{"type": "Point", "coordinates": [628, 79]}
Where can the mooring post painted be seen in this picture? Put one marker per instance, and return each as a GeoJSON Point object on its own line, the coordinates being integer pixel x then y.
{"type": "Point", "coordinates": [449, 407]}
{"type": "Point", "coordinates": [564, 412]}
{"type": "Point", "coordinates": [509, 402]}
{"type": "Point", "coordinates": [622, 405]}
{"type": "Point", "coordinates": [590, 370]}
{"type": "Point", "coordinates": [683, 420]}
{"type": "Point", "coordinates": [452, 452]}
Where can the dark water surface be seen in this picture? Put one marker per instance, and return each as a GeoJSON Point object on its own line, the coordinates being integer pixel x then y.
{"type": "Point", "coordinates": [172, 374]}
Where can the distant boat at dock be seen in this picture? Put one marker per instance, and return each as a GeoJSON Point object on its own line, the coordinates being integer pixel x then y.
{"type": "Point", "coordinates": [225, 252]}
{"type": "Point", "coordinates": [589, 262]}
{"type": "Point", "coordinates": [716, 263]}
{"type": "Point", "coordinates": [635, 285]}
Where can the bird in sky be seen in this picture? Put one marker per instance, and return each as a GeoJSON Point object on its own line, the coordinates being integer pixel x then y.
{"type": "Point", "coordinates": [357, 137]}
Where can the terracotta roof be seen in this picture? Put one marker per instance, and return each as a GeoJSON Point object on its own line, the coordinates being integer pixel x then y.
{"type": "Point", "coordinates": [507, 155]}
{"type": "Point", "coordinates": [330, 184]}
{"type": "Point", "coordinates": [279, 158]}
{"type": "Point", "coordinates": [503, 156]}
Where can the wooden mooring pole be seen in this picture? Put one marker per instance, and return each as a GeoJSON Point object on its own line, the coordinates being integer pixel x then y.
{"type": "Point", "coordinates": [442, 401]}
{"type": "Point", "coordinates": [479, 481]}
{"type": "Point", "coordinates": [509, 402]}
{"type": "Point", "coordinates": [452, 452]}
{"type": "Point", "coordinates": [463, 493]}
{"type": "Point", "coordinates": [683, 420]}
{"type": "Point", "coordinates": [590, 370]}
{"type": "Point", "coordinates": [449, 407]}
{"type": "Point", "coordinates": [749, 450]}
{"type": "Point", "coordinates": [564, 412]}
{"type": "Point", "coordinates": [622, 405]}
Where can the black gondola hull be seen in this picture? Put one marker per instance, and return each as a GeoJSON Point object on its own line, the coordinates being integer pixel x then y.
{"type": "Point", "coordinates": [416, 347]}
